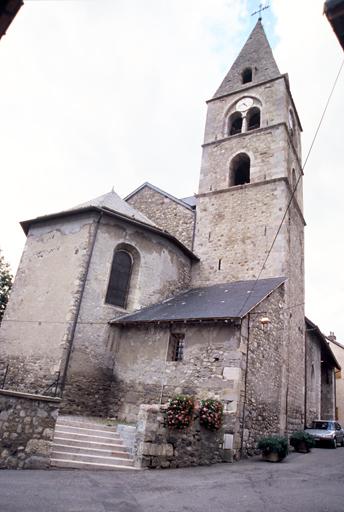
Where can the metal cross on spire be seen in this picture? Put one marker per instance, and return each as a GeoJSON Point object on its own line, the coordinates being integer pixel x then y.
{"type": "Point", "coordinates": [259, 11]}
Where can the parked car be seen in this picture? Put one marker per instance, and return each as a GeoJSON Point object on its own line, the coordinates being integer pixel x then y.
{"type": "Point", "coordinates": [327, 431]}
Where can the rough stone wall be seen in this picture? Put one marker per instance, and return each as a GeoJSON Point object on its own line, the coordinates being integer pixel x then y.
{"type": "Point", "coordinates": [313, 378]}
{"type": "Point", "coordinates": [27, 425]}
{"type": "Point", "coordinates": [160, 271]}
{"type": "Point", "coordinates": [264, 371]}
{"type": "Point", "coordinates": [35, 331]}
{"type": "Point", "coordinates": [159, 447]}
{"type": "Point", "coordinates": [211, 367]}
{"type": "Point", "coordinates": [169, 215]}
{"type": "Point", "coordinates": [235, 229]}
{"type": "Point", "coordinates": [327, 392]}
{"type": "Point", "coordinates": [338, 351]}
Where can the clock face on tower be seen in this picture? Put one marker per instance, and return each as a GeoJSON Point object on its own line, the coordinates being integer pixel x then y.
{"type": "Point", "coordinates": [244, 104]}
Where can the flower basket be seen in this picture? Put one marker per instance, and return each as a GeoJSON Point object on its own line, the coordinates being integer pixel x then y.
{"type": "Point", "coordinates": [211, 414]}
{"type": "Point", "coordinates": [301, 441]}
{"type": "Point", "coordinates": [180, 412]}
{"type": "Point", "coordinates": [274, 448]}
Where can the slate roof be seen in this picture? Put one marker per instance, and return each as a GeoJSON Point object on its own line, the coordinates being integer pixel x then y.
{"type": "Point", "coordinates": [114, 202]}
{"type": "Point", "coordinates": [255, 54]}
{"type": "Point", "coordinates": [220, 301]}
{"type": "Point", "coordinates": [326, 351]}
{"type": "Point", "coordinates": [8, 11]}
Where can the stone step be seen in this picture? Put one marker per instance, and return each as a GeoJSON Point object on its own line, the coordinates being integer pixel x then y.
{"type": "Point", "coordinates": [64, 420]}
{"type": "Point", "coordinates": [80, 457]}
{"type": "Point", "coordinates": [86, 430]}
{"type": "Point", "coordinates": [120, 452]}
{"type": "Point", "coordinates": [114, 438]}
{"type": "Point", "coordinates": [89, 444]}
{"type": "Point", "coordinates": [76, 464]}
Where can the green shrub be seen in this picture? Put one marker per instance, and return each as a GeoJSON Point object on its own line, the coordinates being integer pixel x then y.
{"type": "Point", "coordinates": [300, 437]}
{"type": "Point", "coordinates": [211, 414]}
{"type": "Point", "coordinates": [179, 412]}
{"type": "Point", "coordinates": [274, 444]}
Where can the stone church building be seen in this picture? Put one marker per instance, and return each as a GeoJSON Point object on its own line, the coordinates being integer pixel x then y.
{"type": "Point", "coordinates": [122, 302]}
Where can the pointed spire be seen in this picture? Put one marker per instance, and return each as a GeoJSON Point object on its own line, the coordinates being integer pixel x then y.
{"type": "Point", "coordinates": [255, 55]}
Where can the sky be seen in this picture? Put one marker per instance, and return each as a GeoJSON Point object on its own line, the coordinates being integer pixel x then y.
{"type": "Point", "coordinates": [96, 94]}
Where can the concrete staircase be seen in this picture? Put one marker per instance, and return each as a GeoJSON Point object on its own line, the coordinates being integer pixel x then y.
{"type": "Point", "coordinates": [84, 443]}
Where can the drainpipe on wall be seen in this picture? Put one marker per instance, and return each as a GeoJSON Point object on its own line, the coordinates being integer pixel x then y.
{"type": "Point", "coordinates": [78, 308]}
{"type": "Point", "coordinates": [245, 385]}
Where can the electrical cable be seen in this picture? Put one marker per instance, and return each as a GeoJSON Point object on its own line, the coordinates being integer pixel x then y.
{"type": "Point", "coordinates": [295, 186]}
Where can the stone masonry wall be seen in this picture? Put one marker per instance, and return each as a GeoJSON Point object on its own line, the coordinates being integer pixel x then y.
{"type": "Point", "coordinates": [27, 425]}
{"type": "Point", "coordinates": [313, 378]}
{"type": "Point", "coordinates": [35, 331]}
{"type": "Point", "coordinates": [211, 366]}
{"type": "Point", "coordinates": [159, 447]}
{"type": "Point", "coordinates": [166, 213]}
{"type": "Point", "coordinates": [160, 270]}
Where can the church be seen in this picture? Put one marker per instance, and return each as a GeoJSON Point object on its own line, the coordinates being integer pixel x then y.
{"type": "Point", "coordinates": [123, 302]}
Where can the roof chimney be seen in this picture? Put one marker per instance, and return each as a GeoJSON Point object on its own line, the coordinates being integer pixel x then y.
{"type": "Point", "coordinates": [331, 336]}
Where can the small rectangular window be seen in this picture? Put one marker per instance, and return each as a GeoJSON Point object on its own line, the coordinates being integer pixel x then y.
{"type": "Point", "coordinates": [176, 347]}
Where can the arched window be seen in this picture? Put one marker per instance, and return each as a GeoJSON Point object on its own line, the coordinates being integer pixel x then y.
{"type": "Point", "coordinates": [235, 123]}
{"type": "Point", "coordinates": [253, 118]}
{"type": "Point", "coordinates": [119, 282]}
{"type": "Point", "coordinates": [239, 170]}
{"type": "Point", "coordinates": [246, 76]}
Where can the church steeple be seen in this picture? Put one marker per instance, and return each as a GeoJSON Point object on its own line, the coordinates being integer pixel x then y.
{"type": "Point", "coordinates": [255, 63]}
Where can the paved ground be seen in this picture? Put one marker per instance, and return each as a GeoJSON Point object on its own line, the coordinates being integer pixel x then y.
{"type": "Point", "coordinates": [302, 483]}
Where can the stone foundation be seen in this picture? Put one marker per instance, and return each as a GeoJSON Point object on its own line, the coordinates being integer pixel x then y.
{"type": "Point", "coordinates": [159, 447]}
{"type": "Point", "coordinates": [27, 425]}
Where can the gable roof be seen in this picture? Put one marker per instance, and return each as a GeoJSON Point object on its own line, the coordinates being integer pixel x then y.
{"type": "Point", "coordinates": [325, 345]}
{"type": "Point", "coordinates": [182, 202]}
{"type": "Point", "coordinates": [112, 205]}
{"type": "Point", "coordinates": [220, 301]}
{"type": "Point", "coordinates": [114, 202]}
{"type": "Point", "coordinates": [255, 54]}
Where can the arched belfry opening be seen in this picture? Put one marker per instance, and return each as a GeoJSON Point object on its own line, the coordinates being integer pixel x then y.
{"type": "Point", "coordinates": [239, 171]}
{"type": "Point", "coordinates": [253, 118]}
{"type": "Point", "coordinates": [246, 75]}
{"type": "Point", "coordinates": [235, 123]}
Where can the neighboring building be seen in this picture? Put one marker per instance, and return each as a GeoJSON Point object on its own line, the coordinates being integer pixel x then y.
{"type": "Point", "coordinates": [8, 10]}
{"type": "Point", "coordinates": [338, 350]}
{"type": "Point", "coordinates": [334, 10]}
{"type": "Point", "coordinates": [320, 377]}
{"type": "Point", "coordinates": [119, 303]}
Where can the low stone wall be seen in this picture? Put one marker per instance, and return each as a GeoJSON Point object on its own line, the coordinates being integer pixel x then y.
{"type": "Point", "coordinates": [159, 447]}
{"type": "Point", "coordinates": [27, 425]}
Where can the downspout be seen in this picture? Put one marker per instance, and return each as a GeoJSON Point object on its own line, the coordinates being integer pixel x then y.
{"type": "Point", "coordinates": [78, 308]}
{"type": "Point", "coordinates": [305, 411]}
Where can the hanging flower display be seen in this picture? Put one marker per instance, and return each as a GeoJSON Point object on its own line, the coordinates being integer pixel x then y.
{"type": "Point", "coordinates": [211, 414]}
{"type": "Point", "coordinates": [180, 412]}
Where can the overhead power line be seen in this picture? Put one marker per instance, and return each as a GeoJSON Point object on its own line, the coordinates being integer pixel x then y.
{"type": "Point", "coordinates": [296, 184]}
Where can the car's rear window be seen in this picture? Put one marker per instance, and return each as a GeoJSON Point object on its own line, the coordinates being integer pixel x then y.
{"type": "Point", "coordinates": [320, 425]}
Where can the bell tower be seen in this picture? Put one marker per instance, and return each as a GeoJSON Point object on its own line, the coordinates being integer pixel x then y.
{"type": "Point", "coordinates": [251, 163]}
{"type": "Point", "coordinates": [249, 221]}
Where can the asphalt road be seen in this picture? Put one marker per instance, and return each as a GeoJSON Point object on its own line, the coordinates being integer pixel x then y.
{"type": "Point", "coordinates": [302, 483]}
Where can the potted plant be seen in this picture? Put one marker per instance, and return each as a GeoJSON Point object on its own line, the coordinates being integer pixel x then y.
{"type": "Point", "coordinates": [211, 414]}
{"type": "Point", "coordinates": [180, 412]}
{"type": "Point", "coordinates": [274, 448]}
{"type": "Point", "coordinates": [301, 441]}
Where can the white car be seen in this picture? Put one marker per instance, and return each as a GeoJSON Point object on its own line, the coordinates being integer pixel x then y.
{"type": "Point", "coordinates": [328, 431]}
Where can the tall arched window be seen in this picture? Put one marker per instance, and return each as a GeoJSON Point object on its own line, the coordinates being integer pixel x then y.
{"type": "Point", "coordinates": [239, 170]}
{"type": "Point", "coordinates": [253, 118]}
{"type": "Point", "coordinates": [119, 282]}
{"type": "Point", "coordinates": [235, 123]}
{"type": "Point", "coordinates": [246, 76]}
